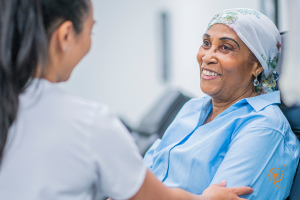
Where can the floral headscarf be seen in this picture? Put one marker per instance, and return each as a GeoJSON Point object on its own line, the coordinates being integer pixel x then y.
{"type": "Point", "coordinates": [261, 36]}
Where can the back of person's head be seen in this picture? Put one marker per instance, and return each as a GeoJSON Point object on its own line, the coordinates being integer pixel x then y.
{"type": "Point", "coordinates": [26, 27]}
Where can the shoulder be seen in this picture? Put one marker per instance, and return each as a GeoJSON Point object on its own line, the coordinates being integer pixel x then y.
{"type": "Point", "coordinates": [55, 108]}
{"type": "Point", "coordinates": [270, 123]}
{"type": "Point", "coordinates": [270, 117]}
{"type": "Point", "coordinates": [96, 119]}
{"type": "Point", "coordinates": [264, 111]}
{"type": "Point", "coordinates": [72, 107]}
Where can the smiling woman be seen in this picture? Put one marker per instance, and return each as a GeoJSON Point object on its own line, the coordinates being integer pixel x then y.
{"type": "Point", "coordinates": [237, 132]}
{"type": "Point", "coordinates": [227, 73]}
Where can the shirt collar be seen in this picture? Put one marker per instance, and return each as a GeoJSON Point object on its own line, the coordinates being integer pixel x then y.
{"type": "Point", "coordinates": [264, 100]}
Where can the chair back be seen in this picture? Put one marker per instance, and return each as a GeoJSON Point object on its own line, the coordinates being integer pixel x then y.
{"type": "Point", "coordinates": [293, 116]}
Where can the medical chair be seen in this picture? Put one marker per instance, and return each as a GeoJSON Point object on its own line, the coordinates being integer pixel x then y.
{"type": "Point", "coordinates": [158, 119]}
{"type": "Point", "coordinates": [293, 116]}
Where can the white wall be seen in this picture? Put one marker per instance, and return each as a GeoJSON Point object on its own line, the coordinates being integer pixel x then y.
{"type": "Point", "coordinates": [283, 15]}
{"type": "Point", "coordinates": [123, 66]}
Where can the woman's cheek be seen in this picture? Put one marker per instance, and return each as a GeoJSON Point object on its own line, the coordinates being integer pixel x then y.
{"type": "Point", "coordinates": [199, 58]}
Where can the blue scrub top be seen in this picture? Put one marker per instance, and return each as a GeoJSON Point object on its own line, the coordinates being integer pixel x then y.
{"type": "Point", "coordinates": [249, 144]}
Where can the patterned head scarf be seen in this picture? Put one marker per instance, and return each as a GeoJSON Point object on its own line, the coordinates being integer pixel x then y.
{"type": "Point", "coordinates": [261, 36]}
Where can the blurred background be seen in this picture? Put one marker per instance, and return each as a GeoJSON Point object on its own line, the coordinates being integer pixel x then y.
{"type": "Point", "coordinates": [142, 48]}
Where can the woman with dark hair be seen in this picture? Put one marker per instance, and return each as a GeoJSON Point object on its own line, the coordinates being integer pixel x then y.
{"type": "Point", "coordinates": [54, 145]}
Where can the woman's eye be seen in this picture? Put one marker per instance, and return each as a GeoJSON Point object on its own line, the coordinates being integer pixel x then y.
{"type": "Point", "coordinates": [226, 47]}
{"type": "Point", "coordinates": [205, 43]}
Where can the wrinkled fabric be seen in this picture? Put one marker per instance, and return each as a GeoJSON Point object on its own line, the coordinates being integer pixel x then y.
{"type": "Point", "coordinates": [249, 144]}
{"type": "Point", "coordinates": [261, 36]}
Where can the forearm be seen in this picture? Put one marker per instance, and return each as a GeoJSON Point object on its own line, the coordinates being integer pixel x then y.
{"type": "Point", "coordinates": [179, 194]}
{"type": "Point", "coordinates": [154, 189]}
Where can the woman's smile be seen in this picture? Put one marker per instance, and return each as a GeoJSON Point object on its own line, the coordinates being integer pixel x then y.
{"type": "Point", "coordinates": [209, 74]}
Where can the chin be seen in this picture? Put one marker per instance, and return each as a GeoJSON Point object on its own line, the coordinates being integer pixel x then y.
{"type": "Point", "coordinates": [204, 90]}
{"type": "Point", "coordinates": [64, 78]}
{"type": "Point", "coordinates": [208, 90]}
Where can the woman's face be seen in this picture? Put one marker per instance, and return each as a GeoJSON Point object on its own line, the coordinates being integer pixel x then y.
{"type": "Point", "coordinates": [67, 48]}
{"type": "Point", "coordinates": [224, 60]}
{"type": "Point", "coordinates": [82, 41]}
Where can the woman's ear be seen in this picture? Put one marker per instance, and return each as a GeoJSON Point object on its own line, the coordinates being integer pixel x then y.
{"type": "Point", "coordinates": [65, 36]}
{"type": "Point", "coordinates": [257, 69]}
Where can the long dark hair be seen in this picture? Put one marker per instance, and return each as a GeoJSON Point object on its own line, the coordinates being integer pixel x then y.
{"type": "Point", "coordinates": [26, 27]}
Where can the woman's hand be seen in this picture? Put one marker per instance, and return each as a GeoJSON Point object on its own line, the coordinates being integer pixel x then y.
{"type": "Point", "coordinates": [220, 192]}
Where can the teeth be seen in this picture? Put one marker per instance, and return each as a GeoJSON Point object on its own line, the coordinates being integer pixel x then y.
{"type": "Point", "coordinates": [208, 73]}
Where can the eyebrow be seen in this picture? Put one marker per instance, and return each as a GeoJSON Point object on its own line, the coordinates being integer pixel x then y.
{"type": "Point", "coordinates": [206, 35]}
{"type": "Point", "coordinates": [226, 38]}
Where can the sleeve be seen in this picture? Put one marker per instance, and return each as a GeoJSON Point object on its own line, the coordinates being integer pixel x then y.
{"type": "Point", "coordinates": [120, 168]}
{"type": "Point", "coordinates": [148, 158]}
{"type": "Point", "coordinates": [259, 157]}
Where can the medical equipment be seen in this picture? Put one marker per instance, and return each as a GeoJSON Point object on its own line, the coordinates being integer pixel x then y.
{"type": "Point", "coordinates": [157, 120]}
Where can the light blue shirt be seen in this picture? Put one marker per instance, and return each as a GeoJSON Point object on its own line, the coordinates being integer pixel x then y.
{"type": "Point", "coordinates": [249, 144]}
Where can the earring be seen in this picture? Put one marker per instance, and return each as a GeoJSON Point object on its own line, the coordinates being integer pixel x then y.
{"type": "Point", "coordinates": [256, 82]}
{"type": "Point", "coordinates": [67, 49]}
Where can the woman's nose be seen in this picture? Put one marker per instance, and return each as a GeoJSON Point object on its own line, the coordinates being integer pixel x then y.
{"type": "Point", "coordinates": [209, 56]}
